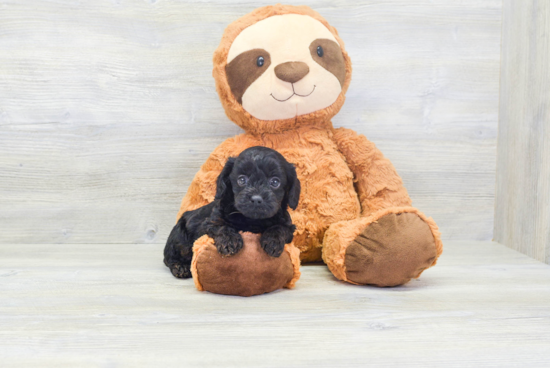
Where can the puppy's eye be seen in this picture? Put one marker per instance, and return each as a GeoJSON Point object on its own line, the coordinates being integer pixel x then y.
{"type": "Point", "coordinates": [320, 51]}
{"type": "Point", "coordinates": [260, 61]}
{"type": "Point", "coordinates": [242, 180]}
{"type": "Point", "coordinates": [275, 182]}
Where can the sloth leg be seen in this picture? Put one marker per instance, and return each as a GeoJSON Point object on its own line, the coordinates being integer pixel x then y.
{"type": "Point", "coordinates": [388, 248]}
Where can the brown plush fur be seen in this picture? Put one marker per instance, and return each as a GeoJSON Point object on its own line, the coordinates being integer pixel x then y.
{"type": "Point", "coordinates": [249, 272]}
{"type": "Point", "coordinates": [346, 181]}
{"type": "Point", "coordinates": [341, 234]}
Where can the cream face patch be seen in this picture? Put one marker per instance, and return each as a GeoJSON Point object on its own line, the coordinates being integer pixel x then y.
{"type": "Point", "coordinates": [285, 66]}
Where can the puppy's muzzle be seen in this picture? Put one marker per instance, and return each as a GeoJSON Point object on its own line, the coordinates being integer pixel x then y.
{"type": "Point", "coordinates": [257, 204]}
{"type": "Point", "coordinates": [256, 199]}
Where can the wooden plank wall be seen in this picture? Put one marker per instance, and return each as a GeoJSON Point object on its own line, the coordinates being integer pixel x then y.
{"type": "Point", "coordinates": [108, 108]}
{"type": "Point", "coordinates": [522, 215]}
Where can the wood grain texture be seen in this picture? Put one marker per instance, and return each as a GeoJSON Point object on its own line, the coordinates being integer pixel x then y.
{"type": "Point", "coordinates": [108, 109]}
{"type": "Point", "coordinates": [522, 215]}
{"type": "Point", "coordinates": [93, 305]}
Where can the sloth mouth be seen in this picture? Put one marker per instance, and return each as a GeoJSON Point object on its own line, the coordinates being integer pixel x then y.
{"type": "Point", "coordinates": [294, 94]}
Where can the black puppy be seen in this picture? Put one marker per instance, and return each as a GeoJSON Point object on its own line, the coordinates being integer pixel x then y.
{"type": "Point", "coordinates": [253, 193]}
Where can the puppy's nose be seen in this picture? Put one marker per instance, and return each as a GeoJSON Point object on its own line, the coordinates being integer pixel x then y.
{"type": "Point", "coordinates": [256, 199]}
{"type": "Point", "coordinates": [291, 71]}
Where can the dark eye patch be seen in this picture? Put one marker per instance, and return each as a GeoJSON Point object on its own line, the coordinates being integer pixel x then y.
{"type": "Point", "coordinates": [243, 70]}
{"type": "Point", "coordinates": [328, 54]}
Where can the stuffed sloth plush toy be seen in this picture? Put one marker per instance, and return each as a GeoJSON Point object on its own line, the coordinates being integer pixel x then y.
{"type": "Point", "coordinates": [281, 73]}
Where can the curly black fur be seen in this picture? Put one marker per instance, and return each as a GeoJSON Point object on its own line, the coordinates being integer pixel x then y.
{"type": "Point", "coordinates": [247, 199]}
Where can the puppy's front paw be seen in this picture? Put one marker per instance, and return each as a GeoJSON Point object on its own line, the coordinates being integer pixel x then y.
{"type": "Point", "coordinates": [273, 243]}
{"type": "Point", "coordinates": [228, 243]}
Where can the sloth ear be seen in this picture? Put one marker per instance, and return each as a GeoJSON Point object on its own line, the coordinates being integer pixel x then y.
{"type": "Point", "coordinates": [223, 184]}
{"type": "Point", "coordinates": [293, 187]}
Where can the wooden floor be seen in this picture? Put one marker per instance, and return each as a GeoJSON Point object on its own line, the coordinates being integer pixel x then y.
{"type": "Point", "coordinates": [117, 305]}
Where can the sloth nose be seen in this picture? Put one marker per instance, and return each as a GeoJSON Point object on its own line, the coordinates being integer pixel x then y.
{"type": "Point", "coordinates": [291, 71]}
{"type": "Point", "coordinates": [256, 199]}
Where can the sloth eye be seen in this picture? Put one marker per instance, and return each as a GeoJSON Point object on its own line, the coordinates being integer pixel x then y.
{"type": "Point", "coordinates": [260, 61]}
{"type": "Point", "coordinates": [275, 182]}
{"type": "Point", "coordinates": [242, 180]}
{"type": "Point", "coordinates": [320, 51]}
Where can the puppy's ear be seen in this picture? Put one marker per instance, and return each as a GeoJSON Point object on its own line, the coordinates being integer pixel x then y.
{"type": "Point", "coordinates": [223, 184]}
{"type": "Point", "coordinates": [293, 187]}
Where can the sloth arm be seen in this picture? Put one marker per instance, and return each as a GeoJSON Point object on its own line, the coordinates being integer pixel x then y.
{"type": "Point", "coordinates": [202, 189]}
{"type": "Point", "coordinates": [376, 181]}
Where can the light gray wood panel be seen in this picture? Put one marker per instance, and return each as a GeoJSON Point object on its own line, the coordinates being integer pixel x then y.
{"type": "Point", "coordinates": [522, 215]}
{"type": "Point", "coordinates": [93, 305]}
{"type": "Point", "coordinates": [108, 108]}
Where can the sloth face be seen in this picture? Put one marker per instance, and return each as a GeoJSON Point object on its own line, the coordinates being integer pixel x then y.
{"type": "Point", "coordinates": [285, 66]}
